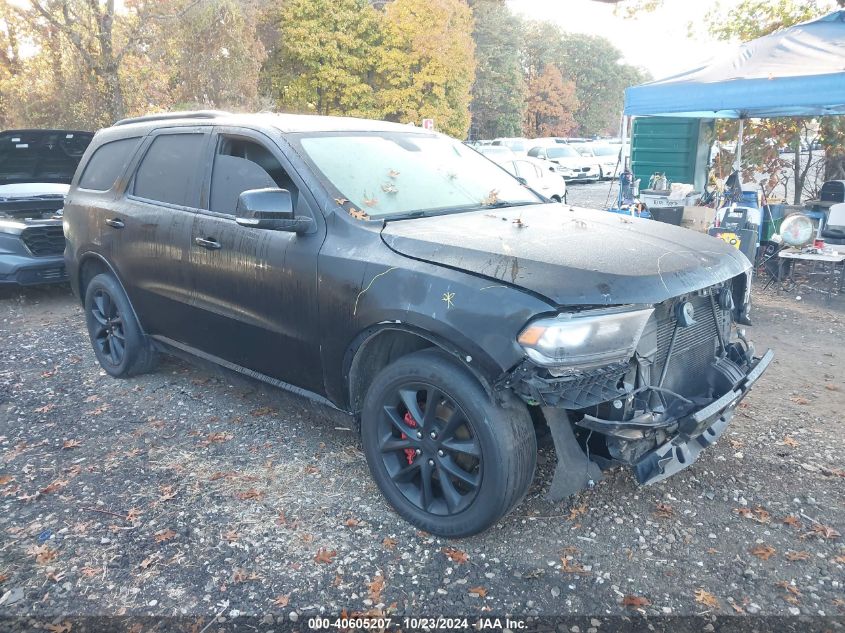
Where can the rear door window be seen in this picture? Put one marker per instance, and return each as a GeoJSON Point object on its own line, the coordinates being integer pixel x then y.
{"type": "Point", "coordinates": [107, 164]}
{"type": "Point", "coordinates": [167, 172]}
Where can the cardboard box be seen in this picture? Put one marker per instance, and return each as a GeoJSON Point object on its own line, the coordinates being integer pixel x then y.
{"type": "Point", "coordinates": [698, 218]}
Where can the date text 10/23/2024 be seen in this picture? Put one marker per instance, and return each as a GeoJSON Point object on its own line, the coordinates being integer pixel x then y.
{"type": "Point", "coordinates": [415, 623]}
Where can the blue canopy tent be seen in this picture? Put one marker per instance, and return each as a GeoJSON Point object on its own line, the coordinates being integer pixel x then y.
{"type": "Point", "coordinates": [798, 71]}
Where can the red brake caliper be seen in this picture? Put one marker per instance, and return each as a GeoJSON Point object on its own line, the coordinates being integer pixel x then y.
{"type": "Point", "coordinates": [410, 453]}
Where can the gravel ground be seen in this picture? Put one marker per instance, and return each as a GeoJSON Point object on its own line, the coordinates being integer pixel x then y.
{"type": "Point", "coordinates": [177, 492]}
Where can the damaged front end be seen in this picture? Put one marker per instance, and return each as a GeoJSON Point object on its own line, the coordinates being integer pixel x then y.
{"type": "Point", "coordinates": [661, 384]}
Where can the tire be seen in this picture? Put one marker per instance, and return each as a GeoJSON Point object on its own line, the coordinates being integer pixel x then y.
{"type": "Point", "coordinates": [480, 462]}
{"type": "Point", "coordinates": [120, 346]}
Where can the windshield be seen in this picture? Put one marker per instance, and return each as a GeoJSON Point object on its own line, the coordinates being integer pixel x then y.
{"type": "Point", "coordinates": [398, 173]}
{"type": "Point", "coordinates": [605, 150]}
{"type": "Point", "coordinates": [494, 150]}
{"type": "Point", "coordinates": [562, 152]}
{"type": "Point", "coordinates": [44, 156]}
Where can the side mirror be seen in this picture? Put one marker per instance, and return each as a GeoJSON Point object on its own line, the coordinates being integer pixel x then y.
{"type": "Point", "coordinates": [270, 209]}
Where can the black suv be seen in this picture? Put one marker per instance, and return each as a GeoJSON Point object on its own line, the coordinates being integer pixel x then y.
{"type": "Point", "coordinates": [36, 167]}
{"type": "Point", "coordinates": [398, 275]}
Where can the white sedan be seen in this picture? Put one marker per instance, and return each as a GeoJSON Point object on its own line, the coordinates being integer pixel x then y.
{"type": "Point", "coordinates": [568, 162]}
{"type": "Point", "coordinates": [538, 175]}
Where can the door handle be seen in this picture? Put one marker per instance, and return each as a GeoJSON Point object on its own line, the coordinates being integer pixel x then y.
{"type": "Point", "coordinates": [209, 243]}
{"type": "Point", "coordinates": [115, 223]}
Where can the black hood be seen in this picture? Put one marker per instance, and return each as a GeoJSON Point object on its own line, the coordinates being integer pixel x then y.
{"type": "Point", "coordinates": [571, 256]}
{"type": "Point", "coordinates": [41, 156]}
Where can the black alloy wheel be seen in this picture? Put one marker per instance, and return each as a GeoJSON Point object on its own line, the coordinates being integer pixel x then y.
{"type": "Point", "coordinates": [108, 335]}
{"type": "Point", "coordinates": [449, 458]}
{"type": "Point", "coordinates": [429, 449]}
{"type": "Point", "coordinates": [120, 345]}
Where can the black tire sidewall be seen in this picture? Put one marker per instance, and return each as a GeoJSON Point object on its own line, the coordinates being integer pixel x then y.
{"type": "Point", "coordinates": [487, 421]}
{"type": "Point", "coordinates": [135, 341]}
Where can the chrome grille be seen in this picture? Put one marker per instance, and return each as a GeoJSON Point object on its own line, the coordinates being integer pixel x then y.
{"type": "Point", "coordinates": [44, 240]}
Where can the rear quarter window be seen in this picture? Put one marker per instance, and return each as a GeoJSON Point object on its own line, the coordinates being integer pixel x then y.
{"type": "Point", "coordinates": [107, 164]}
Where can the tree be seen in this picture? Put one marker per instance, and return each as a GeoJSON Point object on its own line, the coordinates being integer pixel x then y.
{"type": "Point", "coordinates": [551, 104]}
{"type": "Point", "coordinates": [593, 63]}
{"type": "Point", "coordinates": [426, 65]}
{"type": "Point", "coordinates": [498, 94]}
{"type": "Point", "coordinates": [325, 60]}
{"type": "Point", "coordinates": [751, 19]}
{"type": "Point", "coordinates": [218, 56]}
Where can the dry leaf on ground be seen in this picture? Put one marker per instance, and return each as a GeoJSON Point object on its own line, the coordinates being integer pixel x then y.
{"type": "Point", "coordinates": [325, 556]}
{"type": "Point", "coordinates": [164, 535]}
{"type": "Point", "coordinates": [764, 552]}
{"type": "Point", "coordinates": [481, 592]}
{"type": "Point", "coordinates": [455, 555]}
{"type": "Point", "coordinates": [706, 598]}
{"type": "Point", "coordinates": [635, 602]}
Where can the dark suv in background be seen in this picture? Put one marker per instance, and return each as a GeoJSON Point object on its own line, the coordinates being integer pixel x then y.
{"type": "Point", "coordinates": [398, 275]}
{"type": "Point", "coordinates": [36, 167]}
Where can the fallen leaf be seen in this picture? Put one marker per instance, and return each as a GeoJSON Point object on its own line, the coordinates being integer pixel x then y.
{"type": "Point", "coordinates": [64, 627]}
{"type": "Point", "coordinates": [571, 567]}
{"type": "Point", "coordinates": [765, 552]}
{"type": "Point", "coordinates": [792, 520]}
{"type": "Point", "coordinates": [352, 522]}
{"type": "Point", "coordinates": [231, 536]}
{"type": "Point", "coordinates": [831, 387]}
{"type": "Point", "coordinates": [164, 535]}
{"type": "Point", "coordinates": [88, 572]}
{"type": "Point", "coordinates": [375, 587]}
{"type": "Point", "coordinates": [790, 441]}
{"type": "Point", "coordinates": [68, 444]}
{"type": "Point", "coordinates": [166, 493]}
{"type": "Point", "coordinates": [42, 553]}
{"type": "Point", "coordinates": [635, 602]}
{"type": "Point", "coordinates": [46, 408]}
{"type": "Point", "coordinates": [737, 608]}
{"type": "Point", "coordinates": [369, 202]}
{"type": "Point", "coordinates": [839, 559]}
{"type": "Point", "coordinates": [58, 484]}
{"type": "Point", "coordinates": [761, 515]}
{"type": "Point", "coordinates": [358, 214]}
{"type": "Point", "coordinates": [481, 592]}
{"type": "Point", "coordinates": [664, 511]}
{"type": "Point", "coordinates": [5, 479]}
{"type": "Point", "coordinates": [281, 601]}
{"type": "Point", "coordinates": [281, 520]}
{"type": "Point", "coordinates": [262, 411]}
{"type": "Point", "coordinates": [799, 400]}
{"type": "Point", "coordinates": [788, 586]}
{"type": "Point", "coordinates": [744, 512]}
{"type": "Point", "coordinates": [145, 564]}
{"type": "Point", "coordinates": [491, 198]}
{"type": "Point", "coordinates": [793, 556]}
{"type": "Point", "coordinates": [216, 438]}
{"type": "Point", "coordinates": [133, 514]}
{"type": "Point", "coordinates": [822, 532]}
{"type": "Point", "coordinates": [389, 543]}
{"type": "Point", "coordinates": [455, 555]}
{"type": "Point", "coordinates": [251, 494]}
{"type": "Point", "coordinates": [341, 201]}
{"type": "Point", "coordinates": [706, 598]}
{"type": "Point", "coordinates": [325, 556]}
{"type": "Point", "coordinates": [576, 511]}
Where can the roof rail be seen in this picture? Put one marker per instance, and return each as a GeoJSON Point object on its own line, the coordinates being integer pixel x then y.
{"type": "Point", "coordinates": [166, 116]}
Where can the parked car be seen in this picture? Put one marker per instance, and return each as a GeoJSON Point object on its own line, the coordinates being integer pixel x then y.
{"type": "Point", "coordinates": [36, 167]}
{"type": "Point", "coordinates": [607, 157]}
{"type": "Point", "coordinates": [447, 308]}
{"type": "Point", "coordinates": [517, 145]}
{"type": "Point", "coordinates": [569, 163]}
{"type": "Point", "coordinates": [496, 152]}
{"type": "Point", "coordinates": [537, 175]}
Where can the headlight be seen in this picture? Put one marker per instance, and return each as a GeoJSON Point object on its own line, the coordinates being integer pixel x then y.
{"type": "Point", "coordinates": [584, 340]}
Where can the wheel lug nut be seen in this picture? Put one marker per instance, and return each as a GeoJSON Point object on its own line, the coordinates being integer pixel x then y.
{"type": "Point", "coordinates": [419, 435]}
{"type": "Point", "coordinates": [433, 435]}
{"type": "Point", "coordinates": [441, 453]}
{"type": "Point", "coordinates": [418, 451]}
{"type": "Point", "coordinates": [431, 462]}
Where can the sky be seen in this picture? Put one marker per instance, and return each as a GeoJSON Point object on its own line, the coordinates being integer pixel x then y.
{"type": "Point", "coordinates": [657, 41]}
